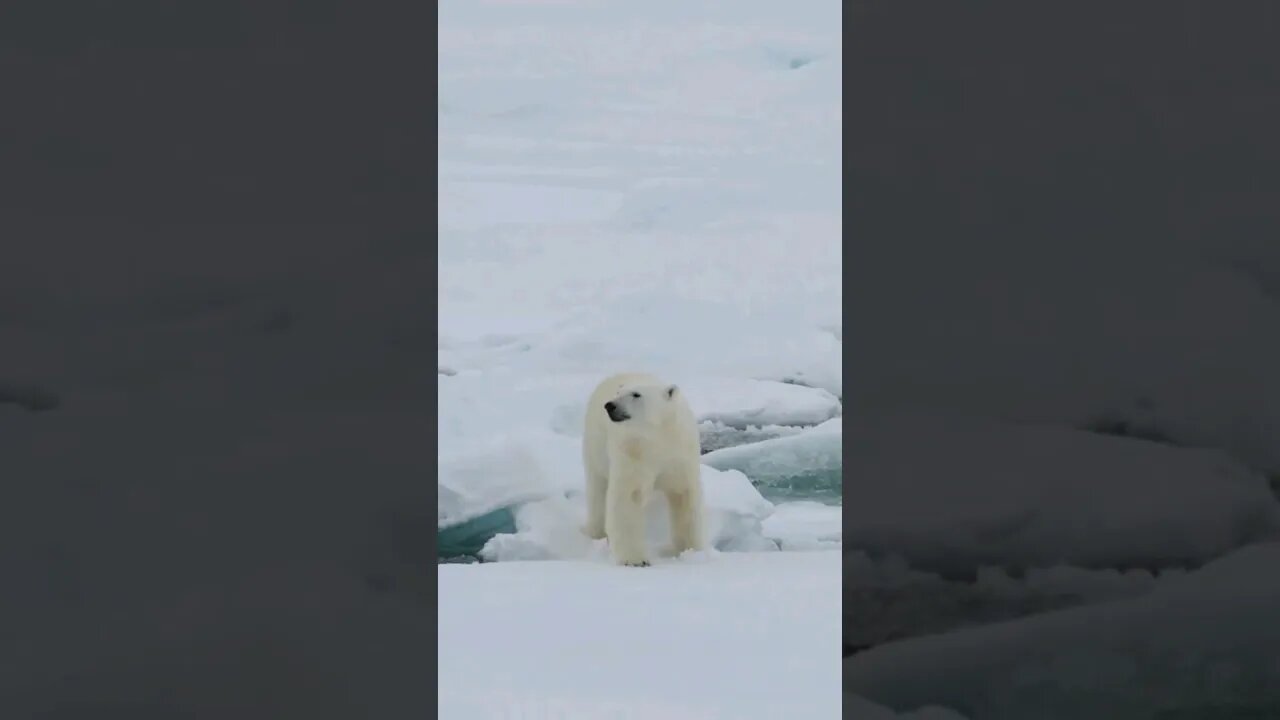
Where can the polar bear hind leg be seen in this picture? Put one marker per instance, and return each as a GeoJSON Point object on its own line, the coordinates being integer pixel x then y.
{"type": "Point", "coordinates": [597, 494]}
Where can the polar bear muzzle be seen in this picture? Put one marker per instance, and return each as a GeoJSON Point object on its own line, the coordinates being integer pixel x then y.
{"type": "Point", "coordinates": [616, 413]}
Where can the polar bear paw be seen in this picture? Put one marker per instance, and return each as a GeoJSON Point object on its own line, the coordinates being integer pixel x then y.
{"type": "Point", "coordinates": [631, 557]}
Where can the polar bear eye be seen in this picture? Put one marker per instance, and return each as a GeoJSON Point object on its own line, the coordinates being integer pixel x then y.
{"type": "Point", "coordinates": [635, 395]}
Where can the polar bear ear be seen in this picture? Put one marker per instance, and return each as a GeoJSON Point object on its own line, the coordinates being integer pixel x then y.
{"type": "Point", "coordinates": [671, 391]}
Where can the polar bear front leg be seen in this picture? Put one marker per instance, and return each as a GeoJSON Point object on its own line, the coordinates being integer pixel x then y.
{"type": "Point", "coordinates": [686, 517]}
{"type": "Point", "coordinates": [625, 500]}
{"type": "Point", "coordinates": [596, 495]}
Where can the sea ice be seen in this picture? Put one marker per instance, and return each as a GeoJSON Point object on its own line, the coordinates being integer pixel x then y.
{"type": "Point", "coordinates": [807, 464]}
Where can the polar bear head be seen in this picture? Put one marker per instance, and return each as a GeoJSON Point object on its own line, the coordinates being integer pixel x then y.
{"type": "Point", "coordinates": [647, 405]}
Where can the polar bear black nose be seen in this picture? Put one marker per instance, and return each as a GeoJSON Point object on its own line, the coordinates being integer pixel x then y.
{"type": "Point", "coordinates": [609, 406]}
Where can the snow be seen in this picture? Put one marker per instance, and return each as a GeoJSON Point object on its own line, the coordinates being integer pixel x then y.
{"type": "Point", "coordinates": [804, 525]}
{"type": "Point", "coordinates": [649, 190]}
{"type": "Point", "coordinates": [506, 472]}
{"type": "Point", "coordinates": [734, 635]}
{"type": "Point", "coordinates": [1206, 642]}
{"type": "Point", "coordinates": [676, 331]}
{"type": "Point", "coordinates": [740, 403]}
{"type": "Point", "coordinates": [636, 188]}
{"type": "Point", "coordinates": [951, 493]}
{"type": "Point", "coordinates": [474, 205]}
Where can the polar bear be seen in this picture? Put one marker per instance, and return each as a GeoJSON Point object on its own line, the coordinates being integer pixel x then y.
{"type": "Point", "coordinates": [641, 436]}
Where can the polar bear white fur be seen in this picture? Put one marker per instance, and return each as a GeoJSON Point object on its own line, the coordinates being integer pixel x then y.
{"type": "Point", "coordinates": [641, 436]}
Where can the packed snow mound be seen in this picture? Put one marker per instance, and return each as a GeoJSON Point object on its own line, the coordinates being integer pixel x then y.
{"type": "Point", "coordinates": [710, 619]}
{"type": "Point", "coordinates": [1206, 644]}
{"type": "Point", "coordinates": [952, 494]}
{"type": "Point", "coordinates": [808, 463]}
{"type": "Point", "coordinates": [551, 529]}
{"type": "Point", "coordinates": [480, 405]}
{"type": "Point", "coordinates": [805, 525]}
{"type": "Point", "coordinates": [506, 471]}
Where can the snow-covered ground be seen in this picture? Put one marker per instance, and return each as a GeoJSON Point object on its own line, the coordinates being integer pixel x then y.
{"type": "Point", "coordinates": [737, 635]}
{"type": "Point", "coordinates": [651, 188]}
{"type": "Point", "coordinates": [639, 187]}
